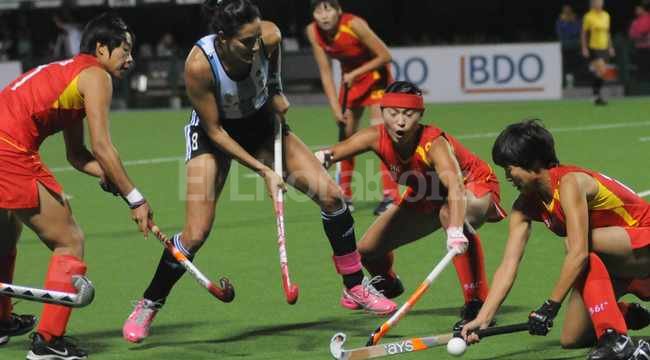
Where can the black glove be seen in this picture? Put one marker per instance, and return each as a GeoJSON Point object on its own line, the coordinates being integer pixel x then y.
{"type": "Point", "coordinates": [540, 321]}
{"type": "Point", "coordinates": [109, 187]}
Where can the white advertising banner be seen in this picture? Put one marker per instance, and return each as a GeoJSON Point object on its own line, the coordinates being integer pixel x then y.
{"type": "Point", "coordinates": [482, 72]}
{"type": "Point", "coordinates": [9, 71]}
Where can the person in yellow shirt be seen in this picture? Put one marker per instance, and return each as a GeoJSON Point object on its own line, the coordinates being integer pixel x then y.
{"type": "Point", "coordinates": [596, 41]}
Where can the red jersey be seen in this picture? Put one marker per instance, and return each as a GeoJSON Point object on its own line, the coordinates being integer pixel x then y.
{"type": "Point", "coordinates": [42, 102]}
{"type": "Point", "coordinates": [352, 53]}
{"type": "Point", "coordinates": [419, 175]}
{"type": "Point", "coordinates": [614, 205]}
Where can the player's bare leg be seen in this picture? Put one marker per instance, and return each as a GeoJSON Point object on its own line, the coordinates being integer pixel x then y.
{"type": "Point", "coordinates": [347, 166]}
{"type": "Point", "coordinates": [206, 175]}
{"type": "Point", "coordinates": [390, 191]}
{"type": "Point", "coordinates": [470, 266]}
{"type": "Point", "coordinates": [10, 324]}
{"type": "Point", "coordinates": [55, 226]}
{"type": "Point", "coordinates": [306, 174]}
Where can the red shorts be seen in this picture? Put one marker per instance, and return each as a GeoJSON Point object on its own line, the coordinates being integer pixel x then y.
{"type": "Point", "coordinates": [367, 89]}
{"type": "Point", "coordinates": [478, 188]}
{"type": "Point", "coordinates": [20, 170]}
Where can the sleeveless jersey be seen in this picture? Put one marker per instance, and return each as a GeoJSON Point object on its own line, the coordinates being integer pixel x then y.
{"type": "Point", "coordinates": [417, 173]}
{"type": "Point", "coordinates": [237, 99]}
{"type": "Point", "coordinates": [347, 48]}
{"type": "Point", "coordinates": [42, 102]}
{"type": "Point", "coordinates": [614, 205]}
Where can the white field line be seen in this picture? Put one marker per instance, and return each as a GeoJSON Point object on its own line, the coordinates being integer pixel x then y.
{"type": "Point", "coordinates": [129, 163]}
{"type": "Point", "coordinates": [644, 139]}
{"type": "Point", "coordinates": [644, 193]}
{"type": "Point", "coordinates": [462, 137]}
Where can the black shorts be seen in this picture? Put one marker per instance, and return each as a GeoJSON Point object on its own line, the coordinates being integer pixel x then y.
{"type": "Point", "coordinates": [251, 132]}
{"type": "Point", "coordinates": [595, 54]}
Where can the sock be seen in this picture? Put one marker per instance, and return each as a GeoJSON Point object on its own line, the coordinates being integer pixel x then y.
{"type": "Point", "coordinates": [390, 186]}
{"type": "Point", "coordinates": [169, 271]}
{"type": "Point", "coordinates": [7, 264]}
{"type": "Point", "coordinates": [54, 318]}
{"type": "Point", "coordinates": [349, 266]}
{"type": "Point", "coordinates": [381, 266]}
{"type": "Point", "coordinates": [598, 294]}
{"type": "Point", "coordinates": [339, 227]}
{"type": "Point", "coordinates": [345, 179]}
{"type": "Point", "coordinates": [597, 85]}
{"type": "Point", "coordinates": [470, 268]}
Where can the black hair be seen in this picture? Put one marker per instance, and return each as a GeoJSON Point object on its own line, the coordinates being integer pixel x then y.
{"type": "Point", "coordinates": [404, 87]}
{"type": "Point", "coordinates": [646, 5]}
{"type": "Point", "coordinates": [525, 144]}
{"type": "Point", "coordinates": [107, 29]}
{"type": "Point", "coordinates": [332, 3]}
{"type": "Point", "coordinates": [228, 16]}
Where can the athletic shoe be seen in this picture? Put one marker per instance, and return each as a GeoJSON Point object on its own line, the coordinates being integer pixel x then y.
{"type": "Point", "coordinates": [365, 296]}
{"type": "Point", "coordinates": [384, 205]}
{"type": "Point", "coordinates": [612, 346]}
{"type": "Point", "coordinates": [637, 317]}
{"type": "Point", "coordinates": [600, 102]}
{"type": "Point", "coordinates": [642, 351]}
{"type": "Point", "coordinates": [468, 313]}
{"type": "Point", "coordinates": [16, 325]}
{"type": "Point", "coordinates": [136, 327]}
{"type": "Point", "coordinates": [390, 287]}
{"type": "Point", "coordinates": [60, 348]}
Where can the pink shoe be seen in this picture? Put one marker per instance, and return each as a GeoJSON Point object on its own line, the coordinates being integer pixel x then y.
{"type": "Point", "coordinates": [136, 327]}
{"type": "Point", "coordinates": [365, 296]}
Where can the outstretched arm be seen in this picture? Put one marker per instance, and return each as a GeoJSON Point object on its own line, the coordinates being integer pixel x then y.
{"type": "Point", "coordinates": [360, 142]}
{"type": "Point", "coordinates": [506, 273]}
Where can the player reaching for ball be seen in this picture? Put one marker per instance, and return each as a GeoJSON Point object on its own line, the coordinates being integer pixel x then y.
{"type": "Point", "coordinates": [364, 62]}
{"type": "Point", "coordinates": [606, 227]}
{"type": "Point", "coordinates": [446, 185]}
{"type": "Point", "coordinates": [233, 81]}
{"type": "Point", "coordinates": [48, 99]}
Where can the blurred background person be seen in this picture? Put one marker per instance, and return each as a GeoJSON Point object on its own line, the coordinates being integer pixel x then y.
{"type": "Point", "coordinates": [597, 45]}
{"type": "Point", "coordinates": [69, 39]}
{"type": "Point", "coordinates": [640, 33]}
{"type": "Point", "coordinates": [567, 27]}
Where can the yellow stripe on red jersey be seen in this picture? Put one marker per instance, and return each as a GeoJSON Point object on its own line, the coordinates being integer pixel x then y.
{"type": "Point", "coordinates": [613, 205]}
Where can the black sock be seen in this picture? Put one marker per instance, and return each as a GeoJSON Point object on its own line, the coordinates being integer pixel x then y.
{"type": "Point", "coordinates": [169, 271]}
{"type": "Point", "coordinates": [597, 86]}
{"type": "Point", "coordinates": [339, 227]}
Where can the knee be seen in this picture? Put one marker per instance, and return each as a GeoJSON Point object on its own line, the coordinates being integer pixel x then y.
{"type": "Point", "coordinates": [332, 199]}
{"type": "Point", "coordinates": [75, 245]}
{"type": "Point", "coordinates": [194, 236]}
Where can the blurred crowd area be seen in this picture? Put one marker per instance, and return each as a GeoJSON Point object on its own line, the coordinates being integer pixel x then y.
{"type": "Point", "coordinates": [165, 33]}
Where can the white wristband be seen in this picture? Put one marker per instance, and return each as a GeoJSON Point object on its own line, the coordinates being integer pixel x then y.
{"type": "Point", "coordinates": [455, 231]}
{"type": "Point", "coordinates": [134, 198]}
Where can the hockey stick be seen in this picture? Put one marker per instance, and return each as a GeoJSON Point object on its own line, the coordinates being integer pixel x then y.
{"type": "Point", "coordinates": [413, 299]}
{"type": "Point", "coordinates": [409, 345]}
{"type": "Point", "coordinates": [224, 292]}
{"type": "Point", "coordinates": [84, 296]}
{"type": "Point", "coordinates": [410, 303]}
{"type": "Point", "coordinates": [290, 290]}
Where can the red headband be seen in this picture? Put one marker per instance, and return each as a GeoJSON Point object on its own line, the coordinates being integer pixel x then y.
{"type": "Point", "coordinates": [402, 100]}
